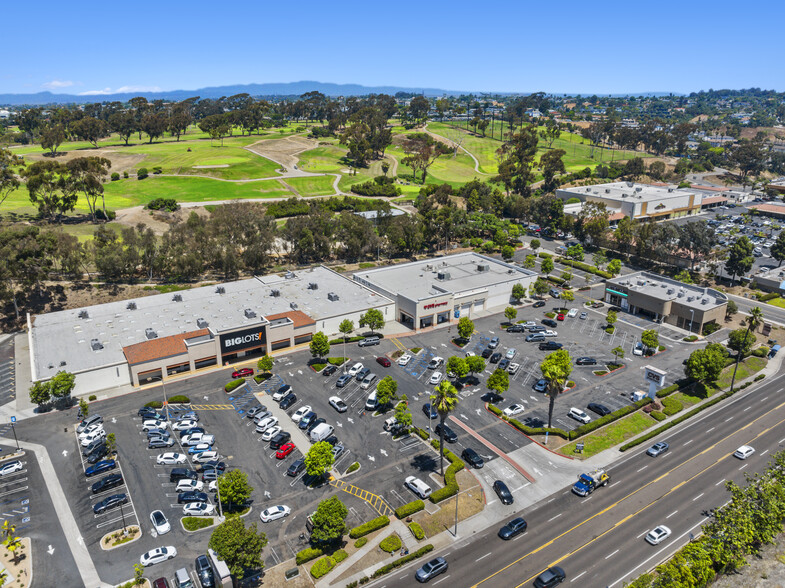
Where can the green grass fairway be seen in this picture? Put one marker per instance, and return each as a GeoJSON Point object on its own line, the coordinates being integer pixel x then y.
{"type": "Point", "coordinates": [325, 159]}
{"type": "Point", "coordinates": [312, 186]}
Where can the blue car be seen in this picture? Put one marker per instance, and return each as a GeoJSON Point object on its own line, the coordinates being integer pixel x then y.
{"type": "Point", "coordinates": [199, 448]}
{"type": "Point", "coordinates": [100, 467]}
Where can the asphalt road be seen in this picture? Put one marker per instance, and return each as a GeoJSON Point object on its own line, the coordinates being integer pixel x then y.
{"type": "Point", "coordinates": [599, 539]}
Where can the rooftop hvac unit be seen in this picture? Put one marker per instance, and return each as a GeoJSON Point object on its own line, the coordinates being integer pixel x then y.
{"type": "Point", "coordinates": [83, 314]}
{"type": "Point", "coordinates": [220, 290]}
{"type": "Point", "coordinates": [249, 313]}
{"type": "Point", "coordinates": [150, 333]}
{"type": "Point", "coordinates": [625, 195]}
{"type": "Point", "coordinates": [630, 184]}
{"type": "Point", "coordinates": [429, 268]}
{"type": "Point", "coordinates": [131, 306]}
{"type": "Point", "coordinates": [588, 189]}
{"type": "Point", "coordinates": [690, 298]}
{"type": "Point", "coordinates": [96, 345]}
{"type": "Point", "coordinates": [443, 276]}
{"type": "Point", "coordinates": [289, 275]}
{"type": "Point", "coordinates": [293, 305]}
{"type": "Point", "coordinates": [62, 363]}
{"type": "Point", "coordinates": [275, 293]}
{"type": "Point", "coordinates": [641, 282]}
{"type": "Point", "coordinates": [201, 323]}
{"type": "Point", "coordinates": [332, 296]}
{"type": "Point", "coordinates": [313, 286]}
{"type": "Point", "coordinates": [705, 301]}
{"type": "Point", "coordinates": [663, 285]}
{"type": "Point", "coordinates": [607, 190]}
{"type": "Point", "coordinates": [177, 298]}
{"type": "Point", "coordinates": [483, 267]}
{"type": "Point", "coordinates": [681, 294]}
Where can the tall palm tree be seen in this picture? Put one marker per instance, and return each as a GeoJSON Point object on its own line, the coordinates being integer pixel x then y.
{"type": "Point", "coordinates": [445, 400]}
{"type": "Point", "coordinates": [755, 318]}
{"type": "Point", "coordinates": [555, 368]}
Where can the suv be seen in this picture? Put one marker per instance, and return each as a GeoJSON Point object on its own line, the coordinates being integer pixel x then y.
{"type": "Point", "coordinates": [288, 401]}
{"type": "Point", "coordinates": [205, 572]}
{"type": "Point", "coordinates": [449, 434]}
{"type": "Point", "coordinates": [362, 373]}
{"type": "Point", "coordinates": [417, 486]}
{"type": "Point", "coordinates": [182, 474]}
{"type": "Point", "coordinates": [535, 337]}
{"type": "Point", "coordinates": [471, 457]}
{"type": "Point", "coordinates": [280, 439]}
{"type": "Point", "coordinates": [494, 343]}
{"type": "Point", "coordinates": [374, 340]}
{"type": "Point", "coordinates": [550, 577]}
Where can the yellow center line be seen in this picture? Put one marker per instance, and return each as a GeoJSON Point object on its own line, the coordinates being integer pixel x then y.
{"type": "Point", "coordinates": [630, 495]}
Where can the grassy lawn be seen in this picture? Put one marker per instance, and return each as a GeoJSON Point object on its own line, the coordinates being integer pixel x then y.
{"type": "Point", "coordinates": [611, 435]}
{"type": "Point", "coordinates": [747, 368]}
{"type": "Point", "coordinates": [325, 159]}
{"type": "Point", "coordinates": [313, 186]}
{"type": "Point", "coordinates": [686, 399]}
{"type": "Point", "coordinates": [777, 302]}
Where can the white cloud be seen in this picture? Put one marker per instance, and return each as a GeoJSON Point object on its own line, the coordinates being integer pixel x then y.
{"type": "Point", "coordinates": [57, 84]}
{"type": "Point", "coordinates": [120, 90]}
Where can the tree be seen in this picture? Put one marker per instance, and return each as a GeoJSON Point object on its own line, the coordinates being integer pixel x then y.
{"type": "Point", "coordinates": [90, 129]}
{"type": "Point", "coordinates": [138, 574]}
{"type": "Point", "coordinates": [84, 408]}
{"type": "Point", "coordinates": [444, 399]}
{"type": "Point", "coordinates": [265, 364]}
{"type": "Point", "coordinates": [422, 151]}
{"type": "Point", "coordinates": [457, 365]}
{"type": "Point", "coordinates": [329, 521]}
{"type": "Point", "coordinates": [52, 136]}
{"type": "Point", "coordinates": [551, 164]}
{"type": "Point", "coordinates": [614, 267]}
{"type": "Point", "coordinates": [465, 327]}
{"type": "Point", "coordinates": [777, 250]}
{"type": "Point", "coordinates": [731, 309]}
{"type": "Point", "coordinates": [612, 317]}
{"type": "Point", "coordinates": [534, 245]}
{"type": "Point", "coordinates": [618, 352]}
{"type": "Point", "coordinates": [51, 188]}
{"type": "Point", "coordinates": [575, 252]}
{"type": "Point", "coordinates": [40, 393]}
{"type": "Point", "coordinates": [87, 176]}
{"type": "Point", "coordinates": [498, 381]}
{"type": "Point", "coordinates": [233, 488]}
{"type": "Point", "coordinates": [475, 364]}
{"type": "Point", "coordinates": [319, 345]}
{"type": "Point", "coordinates": [239, 546]}
{"type": "Point", "coordinates": [741, 341]}
{"type": "Point", "coordinates": [403, 416]}
{"type": "Point", "coordinates": [599, 259]}
{"type": "Point", "coordinates": [567, 296]}
{"type": "Point", "coordinates": [385, 167]}
{"type": "Point", "coordinates": [555, 368]}
{"type": "Point", "coordinates": [153, 125]}
{"type": "Point", "coordinates": [319, 459]}
{"type": "Point", "coordinates": [9, 181]}
{"type": "Point", "coordinates": [740, 258]}
{"type": "Point", "coordinates": [755, 318]}
{"type": "Point", "coordinates": [111, 444]}
{"type": "Point", "coordinates": [650, 339]}
{"type": "Point", "coordinates": [547, 266]}
{"type": "Point", "coordinates": [418, 109]}
{"type": "Point", "coordinates": [517, 161]}
{"type": "Point", "coordinates": [518, 292]}
{"type": "Point", "coordinates": [346, 327]}
{"type": "Point", "coordinates": [510, 313]}
{"type": "Point", "coordinates": [624, 234]}
{"type": "Point", "coordinates": [386, 391]}
{"type": "Point", "coordinates": [124, 124]}
{"type": "Point", "coordinates": [508, 252]}
{"type": "Point", "coordinates": [705, 365]}
{"type": "Point", "coordinates": [541, 286]}
{"type": "Point", "coordinates": [373, 319]}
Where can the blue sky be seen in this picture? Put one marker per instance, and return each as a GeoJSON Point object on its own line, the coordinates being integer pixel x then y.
{"type": "Point", "coordinates": [588, 47]}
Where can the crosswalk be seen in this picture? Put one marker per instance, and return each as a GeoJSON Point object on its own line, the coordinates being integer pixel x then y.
{"type": "Point", "coordinates": [375, 501]}
{"type": "Point", "coordinates": [212, 407]}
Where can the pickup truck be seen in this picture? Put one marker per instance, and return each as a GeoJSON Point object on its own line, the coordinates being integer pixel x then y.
{"type": "Point", "coordinates": [587, 483]}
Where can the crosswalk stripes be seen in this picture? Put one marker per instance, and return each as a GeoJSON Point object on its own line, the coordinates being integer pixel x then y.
{"type": "Point", "coordinates": [212, 407]}
{"type": "Point", "coordinates": [397, 343]}
{"type": "Point", "coordinates": [376, 502]}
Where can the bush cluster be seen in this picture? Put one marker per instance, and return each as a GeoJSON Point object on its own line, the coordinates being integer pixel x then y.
{"type": "Point", "coordinates": [196, 523]}
{"type": "Point", "coordinates": [761, 351]}
{"type": "Point", "coordinates": [450, 484]}
{"type": "Point", "coordinates": [360, 542]}
{"type": "Point", "coordinates": [543, 255]}
{"type": "Point", "coordinates": [408, 510]}
{"type": "Point", "coordinates": [391, 543]}
{"type": "Point", "coordinates": [340, 555]}
{"type": "Point", "coordinates": [154, 404]}
{"type": "Point", "coordinates": [369, 527]}
{"type": "Point", "coordinates": [657, 415]}
{"type": "Point", "coordinates": [167, 204]}
{"type": "Point", "coordinates": [322, 567]}
{"type": "Point", "coordinates": [671, 406]}
{"type": "Point", "coordinates": [115, 176]}
{"type": "Point", "coordinates": [379, 186]}
{"type": "Point", "coordinates": [234, 384]}
{"type": "Point", "coordinates": [141, 173]}
{"type": "Point", "coordinates": [585, 267]}
{"type": "Point", "coordinates": [353, 468]}
{"type": "Point", "coordinates": [307, 555]}
{"type": "Point", "coordinates": [767, 297]}
{"type": "Point", "coordinates": [179, 399]}
{"type": "Point", "coordinates": [348, 340]}
{"type": "Point", "coordinates": [401, 561]}
{"type": "Point", "coordinates": [417, 531]}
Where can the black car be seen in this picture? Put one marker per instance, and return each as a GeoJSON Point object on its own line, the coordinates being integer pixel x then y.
{"type": "Point", "coordinates": [503, 364]}
{"type": "Point", "coordinates": [100, 467]}
{"type": "Point", "coordinates": [191, 496]}
{"type": "Point", "coordinates": [495, 358]}
{"type": "Point", "coordinates": [539, 304]}
{"type": "Point", "coordinates": [550, 345]}
{"type": "Point", "coordinates": [108, 503]}
{"type": "Point", "coordinates": [315, 423]}
{"type": "Point", "coordinates": [213, 464]}
{"type": "Point", "coordinates": [516, 329]}
{"type": "Point", "coordinates": [178, 474]}
{"type": "Point", "coordinates": [600, 409]}
{"type": "Point", "coordinates": [205, 572]}
{"type": "Point", "coordinates": [449, 434]}
{"type": "Point", "coordinates": [549, 323]}
{"type": "Point", "coordinates": [107, 482]}
{"type": "Point", "coordinates": [191, 431]}
{"type": "Point", "coordinates": [97, 454]}
{"type": "Point", "coordinates": [550, 578]}
{"type": "Point", "coordinates": [306, 420]}
{"type": "Point", "coordinates": [502, 492]}
{"type": "Point", "coordinates": [513, 528]}
{"type": "Point", "coordinates": [332, 440]}
{"type": "Point", "coordinates": [430, 411]}
{"type": "Point", "coordinates": [329, 370]}
{"type": "Point", "coordinates": [280, 439]}
{"type": "Point", "coordinates": [296, 467]}
{"type": "Point", "coordinates": [288, 400]}
{"type": "Point", "coordinates": [486, 353]}
{"type": "Point", "coordinates": [585, 361]}
{"type": "Point", "coordinates": [471, 457]}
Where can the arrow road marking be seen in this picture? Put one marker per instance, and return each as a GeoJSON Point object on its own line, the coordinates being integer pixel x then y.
{"type": "Point", "coordinates": [383, 452]}
{"type": "Point", "coordinates": [350, 420]}
{"type": "Point", "coordinates": [65, 453]}
{"type": "Point", "coordinates": [51, 550]}
{"type": "Point", "coordinates": [372, 458]}
{"type": "Point", "coordinates": [339, 424]}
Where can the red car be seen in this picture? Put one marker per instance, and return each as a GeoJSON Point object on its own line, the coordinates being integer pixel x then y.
{"type": "Point", "coordinates": [285, 450]}
{"type": "Point", "coordinates": [243, 373]}
{"type": "Point", "coordinates": [560, 317]}
{"type": "Point", "coordinates": [383, 361]}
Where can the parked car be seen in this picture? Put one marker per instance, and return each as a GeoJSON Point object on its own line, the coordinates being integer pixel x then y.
{"type": "Point", "coordinates": [266, 423]}
{"type": "Point", "coordinates": [516, 329]}
{"type": "Point", "coordinates": [252, 412]}
{"type": "Point", "coordinates": [513, 528]}
{"type": "Point", "coordinates": [417, 486]}
{"type": "Point", "coordinates": [329, 370]}
{"type": "Point", "coordinates": [383, 361]}
{"type": "Point", "coordinates": [550, 333]}
{"type": "Point", "coordinates": [540, 385]}
{"type": "Point", "coordinates": [495, 358]}
{"type": "Point", "coordinates": [307, 419]}
{"type": "Point", "coordinates": [430, 411]}
{"type": "Point", "coordinates": [205, 456]}
{"type": "Point", "coordinates": [355, 369]}
{"type": "Point", "coordinates": [549, 322]}
{"type": "Point", "coordinates": [585, 361]}
{"type": "Point", "coordinates": [288, 401]}
{"type": "Point", "coordinates": [191, 496]}
{"type": "Point", "coordinates": [270, 433]}
{"type": "Point", "coordinates": [160, 524]}
{"type": "Point", "coordinates": [242, 373]}
{"type": "Point", "coordinates": [109, 503]}
{"type": "Point", "coordinates": [494, 343]}
{"type": "Point", "coordinates": [503, 364]}
{"type": "Point", "coordinates": [171, 458]}
{"type": "Point", "coordinates": [471, 457]}
{"type": "Point", "coordinates": [298, 465]}
{"type": "Point", "coordinates": [513, 368]}
{"type": "Point", "coordinates": [274, 513]}
{"type": "Point", "coordinates": [486, 353]}
{"type": "Point", "coordinates": [107, 482]}
{"type": "Point", "coordinates": [579, 415]}
{"type": "Point", "coordinates": [279, 440]}
{"type": "Point", "coordinates": [204, 571]}
{"type": "Point", "coordinates": [510, 353]}
{"type": "Point", "coordinates": [158, 555]}
{"type": "Point", "coordinates": [560, 317]}
{"type": "Point", "coordinates": [514, 410]}
{"type": "Point", "coordinates": [100, 467]}
{"type": "Point", "coordinates": [435, 363]}
{"type": "Point", "coordinates": [535, 337]}
{"type": "Point", "coordinates": [435, 378]}
{"type": "Point", "coordinates": [188, 485]}
{"type": "Point", "coordinates": [584, 316]}
{"type": "Point", "coordinates": [539, 304]}
{"type": "Point", "coordinates": [638, 349]}
{"type": "Point", "coordinates": [282, 392]}
{"type": "Point", "coordinates": [404, 359]}
{"type": "Point", "coordinates": [343, 380]}
{"type": "Point", "coordinates": [184, 424]}
{"type": "Point", "coordinates": [572, 313]}
{"type": "Point", "coordinates": [600, 409]}
{"type": "Point", "coordinates": [160, 443]}
{"type": "Point", "coordinates": [449, 434]}
{"type": "Point", "coordinates": [361, 375]}
{"type": "Point", "coordinates": [285, 450]}
{"type": "Point", "coordinates": [338, 404]}
{"type": "Point", "coordinates": [301, 412]}
{"type": "Point", "coordinates": [549, 346]}
{"type": "Point", "coordinates": [373, 340]}
{"type": "Point", "coordinates": [198, 509]}
{"type": "Point", "coordinates": [97, 453]}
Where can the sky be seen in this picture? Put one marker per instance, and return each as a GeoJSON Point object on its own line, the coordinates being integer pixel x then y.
{"type": "Point", "coordinates": [602, 47]}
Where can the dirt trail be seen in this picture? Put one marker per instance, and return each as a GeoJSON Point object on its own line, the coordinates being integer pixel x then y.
{"type": "Point", "coordinates": [453, 144]}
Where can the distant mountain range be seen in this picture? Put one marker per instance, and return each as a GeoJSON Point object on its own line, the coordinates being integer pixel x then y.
{"type": "Point", "coordinates": [266, 90]}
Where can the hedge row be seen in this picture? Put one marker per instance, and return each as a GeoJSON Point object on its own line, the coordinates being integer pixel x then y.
{"type": "Point", "coordinates": [417, 531]}
{"type": "Point", "coordinates": [585, 267]}
{"type": "Point", "coordinates": [307, 555]}
{"type": "Point", "coordinates": [767, 297]}
{"type": "Point", "coordinates": [762, 351]}
{"type": "Point", "coordinates": [671, 406]}
{"type": "Point", "coordinates": [408, 510]}
{"type": "Point", "coordinates": [340, 555]}
{"type": "Point", "coordinates": [608, 418]}
{"type": "Point", "coordinates": [322, 567]}
{"type": "Point", "coordinates": [657, 415]}
{"type": "Point", "coordinates": [360, 542]}
{"type": "Point", "coordinates": [528, 430]}
{"type": "Point", "coordinates": [391, 543]}
{"type": "Point", "coordinates": [402, 561]}
{"type": "Point", "coordinates": [421, 433]}
{"type": "Point", "coordinates": [450, 485]}
{"type": "Point", "coordinates": [369, 527]}
{"type": "Point", "coordinates": [154, 404]}
{"type": "Point", "coordinates": [234, 384]}
{"type": "Point", "coordinates": [543, 255]}
{"type": "Point", "coordinates": [348, 340]}
{"type": "Point", "coordinates": [180, 399]}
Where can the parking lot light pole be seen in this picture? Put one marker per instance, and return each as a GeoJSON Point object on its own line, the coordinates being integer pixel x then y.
{"type": "Point", "coordinates": [122, 514]}
{"type": "Point", "coordinates": [13, 428]}
{"type": "Point", "coordinates": [218, 495]}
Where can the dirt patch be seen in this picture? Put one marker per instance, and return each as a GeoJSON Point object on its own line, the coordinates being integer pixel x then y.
{"type": "Point", "coordinates": [120, 161]}
{"type": "Point", "coordinates": [275, 576]}
{"type": "Point", "coordinates": [159, 221]}
{"type": "Point", "coordinates": [470, 502]}
{"type": "Point", "coordinates": [18, 566]}
{"type": "Point", "coordinates": [283, 151]}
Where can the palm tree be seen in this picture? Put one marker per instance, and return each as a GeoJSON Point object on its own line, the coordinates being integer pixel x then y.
{"type": "Point", "coordinates": [445, 400]}
{"type": "Point", "coordinates": [755, 318]}
{"type": "Point", "coordinates": [555, 368]}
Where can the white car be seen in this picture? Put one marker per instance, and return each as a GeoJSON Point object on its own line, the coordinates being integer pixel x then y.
{"type": "Point", "coordinates": [638, 349]}
{"type": "Point", "coordinates": [271, 432]}
{"type": "Point", "coordinates": [170, 458]}
{"type": "Point", "coordinates": [196, 439]}
{"type": "Point", "coordinates": [513, 368]}
{"type": "Point", "coordinates": [355, 369]}
{"type": "Point", "coordinates": [275, 512]}
{"type": "Point", "coordinates": [301, 412]}
{"type": "Point", "coordinates": [470, 354]}
{"type": "Point", "coordinates": [279, 394]}
{"type": "Point", "coordinates": [184, 425]}
{"type": "Point", "coordinates": [435, 363]}
{"type": "Point", "coordinates": [514, 410]}
{"type": "Point", "coordinates": [338, 404]}
{"type": "Point", "coordinates": [204, 456]}
{"type": "Point", "coordinates": [404, 359]}
{"type": "Point", "coordinates": [573, 313]}
{"type": "Point", "coordinates": [198, 509]}
{"type": "Point", "coordinates": [266, 423]}
{"type": "Point", "coordinates": [436, 378]}
{"type": "Point", "coordinates": [92, 428]}
{"type": "Point", "coordinates": [189, 486]}
{"type": "Point", "coordinates": [510, 353]}
{"type": "Point", "coordinates": [153, 424]}
{"type": "Point", "coordinates": [550, 333]}
{"type": "Point", "coordinates": [213, 486]}
{"type": "Point", "coordinates": [658, 535]}
{"type": "Point", "coordinates": [11, 467]}
{"type": "Point", "coordinates": [744, 452]}
{"type": "Point", "coordinates": [579, 415]}
{"type": "Point", "coordinates": [158, 555]}
{"type": "Point", "coordinates": [98, 434]}
{"type": "Point", "coordinates": [160, 524]}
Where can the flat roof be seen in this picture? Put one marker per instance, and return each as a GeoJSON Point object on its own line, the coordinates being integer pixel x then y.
{"type": "Point", "coordinates": [419, 279]}
{"type": "Point", "coordinates": [374, 214]}
{"type": "Point", "coordinates": [663, 288]}
{"type": "Point", "coordinates": [64, 337]}
{"type": "Point", "coordinates": [627, 191]}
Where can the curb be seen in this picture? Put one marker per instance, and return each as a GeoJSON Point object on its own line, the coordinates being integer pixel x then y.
{"type": "Point", "coordinates": [517, 430]}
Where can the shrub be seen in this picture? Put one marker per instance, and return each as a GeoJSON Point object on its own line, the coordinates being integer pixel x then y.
{"type": "Point", "coordinates": [360, 542]}
{"type": "Point", "coordinates": [421, 433]}
{"type": "Point", "coordinates": [322, 567]}
{"type": "Point", "coordinates": [379, 186]}
{"type": "Point", "coordinates": [671, 406]}
{"type": "Point", "coordinates": [340, 555]}
{"type": "Point", "coordinates": [180, 399]}
{"type": "Point", "coordinates": [307, 555]}
{"type": "Point", "coordinates": [353, 468]}
{"type": "Point", "coordinates": [369, 527]}
{"type": "Point", "coordinates": [417, 531]}
{"type": "Point", "coordinates": [401, 561]}
{"type": "Point", "coordinates": [762, 351]}
{"type": "Point", "coordinates": [657, 415]}
{"type": "Point", "coordinates": [672, 388]}
{"type": "Point", "coordinates": [115, 176]}
{"type": "Point", "coordinates": [391, 543]}
{"type": "Point", "coordinates": [450, 485]}
{"type": "Point", "coordinates": [543, 255]}
{"type": "Point", "coordinates": [157, 170]}
{"type": "Point", "coordinates": [586, 267]}
{"type": "Point", "coordinates": [348, 340]}
{"type": "Point", "coordinates": [710, 328]}
{"type": "Point", "coordinates": [154, 404]}
{"type": "Point", "coordinates": [168, 204]}
{"type": "Point", "coordinates": [767, 297]}
{"type": "Point", "coordinates": [759, 377]}
{"type": "Point", "coordinates": [125, 174]}
{"type": "Point", "coordinates": [691, 338]}
{"type": "Point", "coordinates": [141, 173]}
{"type": "Point", "coordinates": [92, 397]}
{"type": "Point", "coordinates": [110, 214]}
{"type": "Point", "coordinates": [610, 329]}
{"type": "Point", "coordinates": [234, 384]}
{"type": "Point", "coordinates": [409, 509]}
{"type": "Point", "coordinates": [196, 523]}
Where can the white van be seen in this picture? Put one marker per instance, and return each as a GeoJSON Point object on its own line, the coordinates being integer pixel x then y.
{"type": "Point", "coordinates": [417, 486]}
{"type": "Point", "coordinates": [321, 432]}
{"type": "Point", "coordinates": [367, 381]}
{"type": "Point", "coordinates": [371, 403]}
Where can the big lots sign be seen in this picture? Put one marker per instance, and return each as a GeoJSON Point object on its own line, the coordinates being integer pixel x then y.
{"type": "Point", "coordinates": [240, 340]}
{"type": "Point", "coordinates": [434, 305]}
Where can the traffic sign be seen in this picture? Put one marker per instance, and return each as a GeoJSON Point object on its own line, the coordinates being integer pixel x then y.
{"type": "Point", "coordinates": [13, 419]}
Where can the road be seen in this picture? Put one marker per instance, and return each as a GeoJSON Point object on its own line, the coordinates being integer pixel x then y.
{"type": "Point", "coordinates": [599, 539]}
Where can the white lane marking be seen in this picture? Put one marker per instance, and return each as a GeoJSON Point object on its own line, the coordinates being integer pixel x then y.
{"type": "Point", "coordinates": [641, 535]}
{"type": "Point", "coordinates": [710, 430]}
{"type": "Point", "coordinates": [483, 556]}
{"type": "Point", "coordinates": [673, 513]}
{"type": "Point", "coordinates": [698, 496]}
{"type": "Point", "coordinates": [744, 466]}
{"type": "Point", "coordinates": [688, 442]}
{"type": "Point", "coordinates": [720, 482]}
{"type": "Point", "coordinates": [764, 453]}
{"type": "Point", "coordinates": [746, 409]}
{"type": "Point", "coordinates": [578, 576]}
{"type": "Point", "coordinates": [643, 468]}
{"type": "Point", "coordinates": [556, 517]}
{"type": "Point", "coordinates": [612, 554]}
